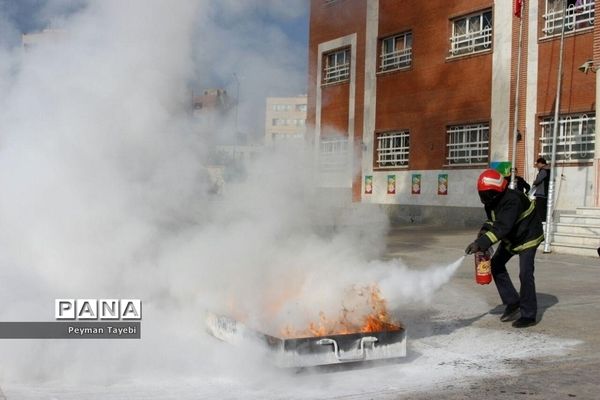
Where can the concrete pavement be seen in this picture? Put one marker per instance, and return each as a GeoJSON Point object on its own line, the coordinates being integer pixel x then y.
{"type": "Point", "coordinates": [569, 307]}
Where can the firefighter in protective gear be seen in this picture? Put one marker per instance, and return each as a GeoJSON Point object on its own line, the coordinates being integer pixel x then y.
{"type": "Point", "coordinates": [512, 220]}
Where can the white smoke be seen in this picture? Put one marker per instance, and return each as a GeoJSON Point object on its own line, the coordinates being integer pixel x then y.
{"type": "Point", "coordinates": [105, 191]}
{"type": "Point", "coordinates": [401, 285]}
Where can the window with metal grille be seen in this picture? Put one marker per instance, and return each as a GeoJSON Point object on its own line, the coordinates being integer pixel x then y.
{"type": "Point", "coordinates": [575, 140]}
{"type": "Point", "coordinates": [468, 144]}
{"type": "Point", "coordinates": [396, 52]}
{"type": "Point", "coordinates": [333, 154]}
{"type": "Point", "coordinates": [392, 149]}
{"type": "Point", "coordinates": [337, 66]}
{"type": "Point", "coordinates": [578, 15]}
{"type": "Point", "coordinates": [471, 34]}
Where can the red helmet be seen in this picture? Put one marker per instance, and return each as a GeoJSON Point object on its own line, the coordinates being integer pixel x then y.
{"type": "Point", "coordinates": [490, 179]}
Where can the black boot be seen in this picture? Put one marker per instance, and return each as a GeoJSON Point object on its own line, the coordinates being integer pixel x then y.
{"type": "Point", "coordinates": [510, 312]}
{"type": "Point", "coordinates": [524, 322]}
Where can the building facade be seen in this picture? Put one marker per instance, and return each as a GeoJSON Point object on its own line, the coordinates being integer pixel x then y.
{"type": "Point", "coordinates": [285, 120]}
{"type": "Point", "coordinates": [418, 97]}
{"type": "Point", "coordinates": [48, 36]}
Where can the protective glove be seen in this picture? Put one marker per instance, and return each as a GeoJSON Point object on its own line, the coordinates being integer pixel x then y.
{"type": "Point", "coordinates": [472, 248]}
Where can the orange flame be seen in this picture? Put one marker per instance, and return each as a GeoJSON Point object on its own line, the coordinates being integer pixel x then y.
{"type": "Point", "coordinates": [377, 318]}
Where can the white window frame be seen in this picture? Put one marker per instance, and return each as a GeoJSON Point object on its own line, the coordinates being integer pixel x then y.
{"type": "Point", "coordinates": [333, 154]}
{"type": "Point", "coordinates": [472, 40]}
{"type": "Point", "coordinates": [576, 137]}
{"type": "Point", "coordinates": [468, 144]}
{"type": "Point", "coordinates": [401, 55]}
{"type": "Point", "coordinates": [577, 17]}
{"type": "Point", "coordinates": [393, 149]}
{"type": "Point", "coordinates": [337, 66]}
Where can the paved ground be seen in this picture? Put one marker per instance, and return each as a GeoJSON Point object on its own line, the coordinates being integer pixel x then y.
{"type": "Point", "coordinates": [569, 307]}
{"type": "Point", "coordinates": [457, 347]}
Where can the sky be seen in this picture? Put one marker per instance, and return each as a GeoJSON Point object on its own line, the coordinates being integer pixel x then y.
{"type": "Point", "coordinates": [33, 15]}
{"type": "Point", "coordinates": [290, 17]}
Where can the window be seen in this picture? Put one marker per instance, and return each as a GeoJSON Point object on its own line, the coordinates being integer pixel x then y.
{"type": "Point", "coordinates": [337, 66]}
{"type": "Point", "coordinates": [282, 107]}
{"type": "Point", "coordinates": [579, 15]}
{"type": "Point", "coordinates": [471, 34]}
{"type": "Point", "coordinates": [396, 52]}
{"type": "Point", "coordinates": [392, 149]}
{"type": "Point", "coordinates": [286, 137]}
{"type": "Point", "coordinates": [468, 144]}
{"type": "Point", "coordinates": [575, 141]}
{"type": "Point", "coordinates": [333, 154]}
{"type": "Point", "coordinates": [301, 107]}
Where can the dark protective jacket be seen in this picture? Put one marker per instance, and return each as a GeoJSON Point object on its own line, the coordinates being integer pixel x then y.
{"type": "Point", "coordinates": [511, 219]}
{"type": "Point", "coordinates": [542, 181]}
{"type": "Point", "coordinates": [522, 185]}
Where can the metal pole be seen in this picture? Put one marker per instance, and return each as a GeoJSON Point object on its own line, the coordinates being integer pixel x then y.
{"type": "Point", "coordinates": [237, 101]}
{"type": "Point", "coordinates": [513, 167]}
{"type": "Point", "coordinates": [548, 232]}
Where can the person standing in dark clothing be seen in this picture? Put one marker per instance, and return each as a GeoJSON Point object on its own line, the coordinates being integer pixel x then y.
{"type": "Point", "coordinates": [522, 185]}
{"type": "Point", "coordinates": [541, 183]}
{"type": "Point", "coordinates": [512, 220]}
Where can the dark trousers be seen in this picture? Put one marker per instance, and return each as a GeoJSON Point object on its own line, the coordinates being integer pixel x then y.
{"type": "Point", "coordinates": [527, 297]}
{"type": "Point", "coordinates": [541, 207]}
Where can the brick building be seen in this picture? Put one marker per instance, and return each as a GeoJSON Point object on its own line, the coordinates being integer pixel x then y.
{"type": "Point", "coordinates": [410, 100]}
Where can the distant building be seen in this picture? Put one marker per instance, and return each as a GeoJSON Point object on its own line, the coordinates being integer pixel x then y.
{"type": "Point", "coordinates": [212, 100]}
{"type": "Point", "coordinates": [285, 120]}
{"type": "Point", "coordinates": [228, 150]}
{"type": "Point", "coordinates": [49, 35]}
{"type": "Point", "coordinates": [211, 104]}
{"type": "Point", "coordinates": [213, 116]}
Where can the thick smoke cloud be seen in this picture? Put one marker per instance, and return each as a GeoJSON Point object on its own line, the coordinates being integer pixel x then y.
{"type": "Point", "coordinates": [106, 193]}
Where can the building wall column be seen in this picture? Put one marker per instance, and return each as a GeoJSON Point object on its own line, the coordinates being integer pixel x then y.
{"type": "Point", "coordinates": [531, 104]}
{"type": "Point", "coordinates": [370, 92]}
{"type": "Point", "coordinates": [596, 66]}
{"type": "Point", "coordinates": [501, 69]}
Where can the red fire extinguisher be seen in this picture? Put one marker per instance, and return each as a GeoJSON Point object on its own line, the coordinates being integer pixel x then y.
{"type": "Point", "coordinates": [483, 266]}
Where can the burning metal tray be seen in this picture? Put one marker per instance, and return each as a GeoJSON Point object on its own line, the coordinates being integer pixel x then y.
{"type": "Point", "coordinates": [315, 350]}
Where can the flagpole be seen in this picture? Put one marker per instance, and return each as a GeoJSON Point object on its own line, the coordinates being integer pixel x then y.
{"type": "Point", "coordinates": [548, 232]}
{"type": "Point", "coordinates": [513, 167]}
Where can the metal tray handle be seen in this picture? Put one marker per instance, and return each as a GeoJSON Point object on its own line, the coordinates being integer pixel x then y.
{"type": "Point", "coordinates": [361, 348]}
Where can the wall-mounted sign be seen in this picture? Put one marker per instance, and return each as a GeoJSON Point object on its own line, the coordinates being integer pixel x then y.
{"type": "Point", "coordinates": [391, 184]}
{"type": "Point", "coordinates": [501, 166]}
{"type": "Point", "coordinates": [368, 184]}
{"type": "Point", "coordinates": [415, 187]}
